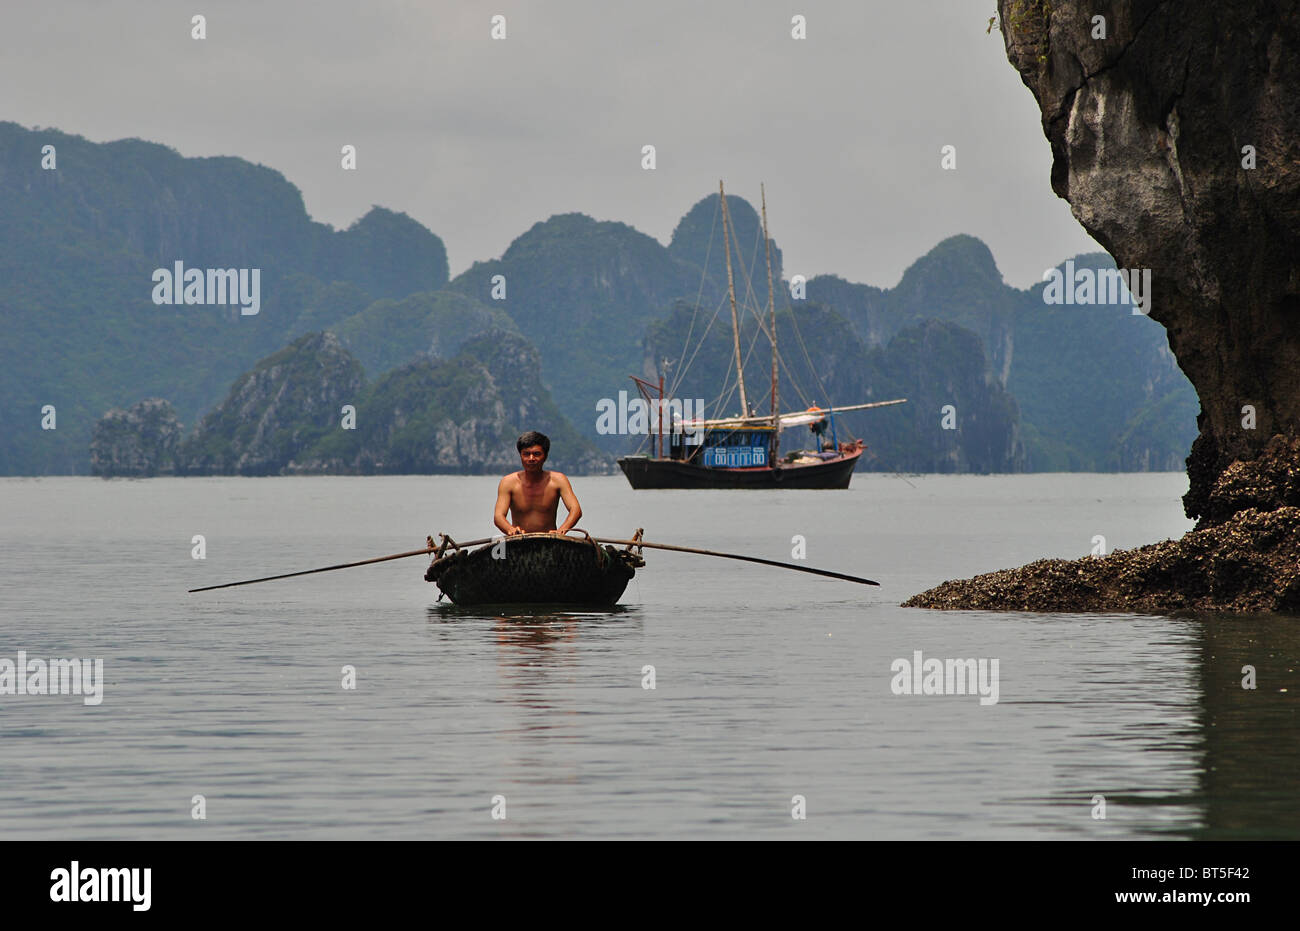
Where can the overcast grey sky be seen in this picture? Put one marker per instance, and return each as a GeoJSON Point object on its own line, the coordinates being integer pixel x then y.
{"type": "Point", "coordinates": [479, 139]}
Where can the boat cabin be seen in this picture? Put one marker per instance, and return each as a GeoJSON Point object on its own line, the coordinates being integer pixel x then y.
{"type": "Point", "coordinates": [724, 447]}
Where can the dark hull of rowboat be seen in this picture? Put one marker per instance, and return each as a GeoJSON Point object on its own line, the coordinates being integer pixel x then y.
{"type": "Point", "coordinates": [535, 568]}
{"type": "Point", "coordinates": [644, 472]}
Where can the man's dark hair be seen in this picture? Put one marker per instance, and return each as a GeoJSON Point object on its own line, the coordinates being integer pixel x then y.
{"type": "Point", "coordinates": [533, 438]}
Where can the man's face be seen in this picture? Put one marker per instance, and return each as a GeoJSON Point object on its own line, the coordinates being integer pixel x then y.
{"type": "Point", "coordinates": [532, 457]}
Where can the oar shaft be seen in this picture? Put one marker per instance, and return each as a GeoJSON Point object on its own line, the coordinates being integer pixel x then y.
{"type": "Point", "coordinates": [763, 562]}
{"type": "Point", "coordinates": [290, 575]}
{"type": "Point", "coordinates": [690, 549]}
{"type": "Point", "coordinates": [638, 543]}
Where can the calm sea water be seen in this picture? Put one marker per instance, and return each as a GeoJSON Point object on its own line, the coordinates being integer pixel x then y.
{"type": "Point", "coordinates": [769, 684]}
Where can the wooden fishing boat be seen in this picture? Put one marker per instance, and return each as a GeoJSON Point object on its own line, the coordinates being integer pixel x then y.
{"type": "Point", "coordinates": [535, 568]}
{"type": "Point", "coordinates": [743, 451]}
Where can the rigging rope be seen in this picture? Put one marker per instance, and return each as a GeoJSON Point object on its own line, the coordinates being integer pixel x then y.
{"type": "Point", "coordinates": [708, 250]}
{"type": "Point", "coordinates": [750, 302]}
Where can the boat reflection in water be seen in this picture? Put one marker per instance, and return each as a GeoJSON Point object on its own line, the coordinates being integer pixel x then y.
{"type": "Point", "coordinates": [538, 654]}
{"type": "Point", "coordinates": [539, 701]}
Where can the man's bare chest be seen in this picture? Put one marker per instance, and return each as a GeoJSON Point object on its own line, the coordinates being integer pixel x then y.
{"type": "Point", "coordinates": [542, 494]}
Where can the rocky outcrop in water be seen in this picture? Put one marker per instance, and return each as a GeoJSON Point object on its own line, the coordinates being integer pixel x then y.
{"type": "Point", "coordinates": [1174, 135]}
{"type": "Point", "coordinates": [1097, 387]}
{"type": "Point", "coordinates": [1243, 560]}
{"type": "Point", "coordinates": [458, 415]}
{"type": "Point", "coordinates": [307, 409]}
{"type": "Point", "coordinates": [1246, 564]}
{"type": "Point", "coordinates": [138, 442]}
{"type": "Point", "coordinates": [285, 404]}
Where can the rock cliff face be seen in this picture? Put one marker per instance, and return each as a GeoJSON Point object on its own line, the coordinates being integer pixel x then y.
{"type": "Point", "coordinates": [456, 415]}
{"type": "Point", "coordinates": [935, 364]}
{"type": "Point", "coordinates": [582, 292]}
{"type": "Point", "coordinates": [78, 248]}
{"type": "Point", "coordinates": [1174, 134]}
{"type": "Point", "coordinates": [1097, 387]}
{"type": "Point", "coordinates": [287, 416]}
{"type": "Point", "coordinates": [287, 402]}
{"type": "Point", "coordinates": [1149, 124]}
{"type": "Point", "coordinates": [138, 442]}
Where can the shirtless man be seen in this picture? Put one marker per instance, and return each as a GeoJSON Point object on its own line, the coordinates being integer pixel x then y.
{"type": "Point", "coordinates": [533, 495]}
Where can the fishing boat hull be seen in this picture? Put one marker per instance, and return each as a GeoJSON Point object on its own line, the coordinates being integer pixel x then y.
{"type": "Point", "coordinates": [535, 568]}
{"type": "Point", "coordinates": [644, 472]}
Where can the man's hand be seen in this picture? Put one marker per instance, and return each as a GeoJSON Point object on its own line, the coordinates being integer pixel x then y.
{"type": "Point", "coordinates": [515, 529]}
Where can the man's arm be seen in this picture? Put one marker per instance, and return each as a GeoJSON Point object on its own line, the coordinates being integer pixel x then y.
{"type": "Point", "coordinates": [503, 507]}
{"type": "Point", "coordinates": [570, 501]}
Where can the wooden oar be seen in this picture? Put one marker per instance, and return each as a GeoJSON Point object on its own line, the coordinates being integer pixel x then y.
{"type": "Point", "coordinates": [762, 562]}
{"type": "Point", "coordinates": [688, 549]}
{"type": "Point", "coordinates": [289, 575]}
{"type": "Point", "coordinates": [658, 546]}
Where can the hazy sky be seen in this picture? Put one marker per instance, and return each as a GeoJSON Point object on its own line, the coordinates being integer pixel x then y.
{"type": "Point", "coordinates": [480, 139]}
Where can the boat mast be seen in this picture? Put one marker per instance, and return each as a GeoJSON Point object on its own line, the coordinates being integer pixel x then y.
{"type": "Point", "coordinates": [661, 415]}
{"type": "Point", "coordinates": [771, 309]}
{"type": "Point", "coordinates": [731, 290]}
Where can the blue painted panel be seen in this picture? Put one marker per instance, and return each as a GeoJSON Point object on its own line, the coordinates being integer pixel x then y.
{"type": "Point", "coordinates": [734, 457]}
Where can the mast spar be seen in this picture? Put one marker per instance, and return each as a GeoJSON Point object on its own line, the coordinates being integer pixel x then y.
{"type": "Point", "coordinates": [771, 309]}
{"type": "Point", "coordinates": [731, 291]}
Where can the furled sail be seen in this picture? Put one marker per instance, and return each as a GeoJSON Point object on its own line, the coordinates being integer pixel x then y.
{"type": "Point", "coordinates": [793, 419]}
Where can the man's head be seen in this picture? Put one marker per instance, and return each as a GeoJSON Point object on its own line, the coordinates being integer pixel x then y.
{"type": "Point", "coordinates": [533, 449]}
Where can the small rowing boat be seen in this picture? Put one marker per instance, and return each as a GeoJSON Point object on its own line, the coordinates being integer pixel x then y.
{"type": "Point", "coordinates": [534, 568]}
{"type": "Point", "coordinates": [538, 568]}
